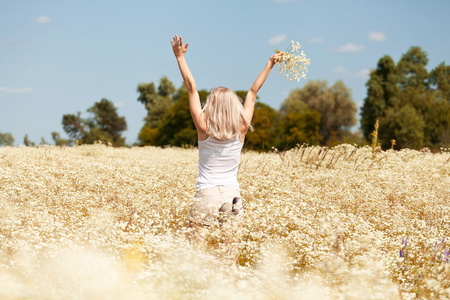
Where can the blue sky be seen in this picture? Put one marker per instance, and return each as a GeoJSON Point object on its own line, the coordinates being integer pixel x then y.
{"type": "Point", "coordinates": [60, 57]}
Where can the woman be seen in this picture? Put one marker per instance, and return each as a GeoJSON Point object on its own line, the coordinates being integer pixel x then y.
{"type": "Point", "coordinates": [221, 128]}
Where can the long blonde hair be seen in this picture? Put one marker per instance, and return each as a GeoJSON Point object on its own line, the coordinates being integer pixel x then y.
{"type": "Point", "coordinates": [224, 114]}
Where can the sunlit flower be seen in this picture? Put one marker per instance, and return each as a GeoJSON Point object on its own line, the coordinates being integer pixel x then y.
{"type": "Point", "coordinates": [292, 64]}
{"type": "Point", "coordinates": [330, 222]}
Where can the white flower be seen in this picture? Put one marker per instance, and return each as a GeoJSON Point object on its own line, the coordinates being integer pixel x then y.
{"type": "Point", "coordinates": [292, 65]}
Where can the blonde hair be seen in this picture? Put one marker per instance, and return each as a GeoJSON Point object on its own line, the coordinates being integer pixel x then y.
{"type": "Point", "coordinates": [224, 114]}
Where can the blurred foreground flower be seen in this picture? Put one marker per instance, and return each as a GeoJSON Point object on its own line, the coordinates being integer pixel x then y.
{"type": "Point", "coordinates": [292, 65]}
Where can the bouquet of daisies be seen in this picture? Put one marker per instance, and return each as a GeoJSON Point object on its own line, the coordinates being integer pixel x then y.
{"type": "Point", "coordinates": [292, 65]}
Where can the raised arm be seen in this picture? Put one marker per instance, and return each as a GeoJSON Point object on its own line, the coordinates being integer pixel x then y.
{"type": "Point", "coordinates": [249, 105]}
{"type": "Point", "coordinates": [194, 100]}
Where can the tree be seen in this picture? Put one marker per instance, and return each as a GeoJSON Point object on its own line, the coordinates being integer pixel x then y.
{"type": "Point", "coordinates": [74, 126]}
{"type": "Point", "coordinates": [27, 142]}
{"type": "Point", "coordinates": [297, 124]}
{"type": "Point", "coordinates": [177, 127]}
{"type": "Point", "coordinates": [343, 114]}
{"type": "Point", "coordinates": [60, 141]}
{"type": "Point", "coordinates": [440, 80]}
{"type": "Point", "coordinates": [382, 92]}
{"type": "Point", "coordinates": [406, 124]}
{"type": "Point", "coordinates": [166, 87]}
{"type": "Point", "coordinates": [148, 136]}
{"type": "Point", "coordinates": [43, 141]}
{"type": "Point", "coordinates": [6, 139]}
{"type": "Point", "coordinates": [438, 114]}
{"type": "Point", "coordinates": [264, 122]}
{"type": "Point", "coordinates": [412, 105]}
{"type": "Point", "coordinates": [105, 125]}
{"type": "Point", "coordinates": [334, 104]}
{"type": "Point", "coordinates": [157, 103]}
{"type": "Point", "coordinates": [412, 69]}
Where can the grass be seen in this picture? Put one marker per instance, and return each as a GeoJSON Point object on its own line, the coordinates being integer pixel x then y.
{"type": "Point", "coordinates": [96, 222]}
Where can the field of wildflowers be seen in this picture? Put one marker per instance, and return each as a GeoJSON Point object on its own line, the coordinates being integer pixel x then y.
{"type": "Point", "coordinates": [96, 222]}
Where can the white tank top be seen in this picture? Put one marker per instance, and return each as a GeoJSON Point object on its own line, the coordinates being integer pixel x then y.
{"type": "Point", "coordinates": [218, 162]}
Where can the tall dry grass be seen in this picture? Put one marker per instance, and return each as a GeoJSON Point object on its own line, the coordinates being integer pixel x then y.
{"type": "Point", "coordinates": [95, 222]}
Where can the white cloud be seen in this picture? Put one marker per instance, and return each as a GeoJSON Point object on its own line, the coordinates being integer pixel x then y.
{"type": "Point", "coordinates": [350, 48]}
{"type": "Point", "coordinates": [277, 39]}
{"type": "Point", "coordinates": [6, 91]}
{"type": "Point", "coordinates": [41, 20]}
{"type": "Point", "coordinates": [377, 36]}
{"type": "Point", "coordinates": [317, 40]}
{"type": "Point", "coordinates": [118, 104]}
{"type": "Point", "coordinates": [364, 73]}
{"type": "Point", "coordinates": [342, 71]}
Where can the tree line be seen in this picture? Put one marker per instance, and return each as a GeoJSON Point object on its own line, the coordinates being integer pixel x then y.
{"type": "Point", "coordinates": [411, 105]}
{"type": "Point", "coordinates": [104, 125]}
{"type": "Point", "coordinates": [315, 114]}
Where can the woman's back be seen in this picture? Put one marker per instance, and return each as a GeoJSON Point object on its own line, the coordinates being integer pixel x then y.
{"type": "Point", "coordinates": [218, 162]}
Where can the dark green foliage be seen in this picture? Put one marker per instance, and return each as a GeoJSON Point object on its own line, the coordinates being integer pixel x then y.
{"type": "Point", "coordinates": [334, 105]}
{"type": "Point", "coordinates": [412, 69]}
{"type": "Point", "coordinates": [177, 127]}
{"type": "Point", "coordinates": [264, 121]}
{"type": "Point", "coordinates": [298, 127]}
{"type": "Point", "coordinates": [27, 142]}
{"type": "Point", "coordinates": [299, 121]}
{"type": "Point", "coordinates": [43, 141]}
{"type": "Point", "coordinates": [440, 80]}
{"type": "Point", "coordinates": [156, 103]}
{"type": "Point", "coordinates": [412, 105]}
{"type": "Point", "coordinates": [60, 141]}
{"type": "Point", "coordinates": [6, 139]}
{"type": "Point", "coordinates": [242, 95]}
{"type": "Point", "coordinates": [382, 92]}
{"type": "Point", "coordinates": [74, 126]}
{"type": "Point", "coordinates": [105, 125]}
{"type": "Point", "coordinates": [405, 124]}
{"type": "Point", "coordinates": [147, 136]}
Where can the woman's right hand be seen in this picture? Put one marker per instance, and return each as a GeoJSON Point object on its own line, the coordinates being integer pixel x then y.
{"type": "Point", "coordinates": [276, 57]}
{"type": "Point", "coordinates": [177, 46]}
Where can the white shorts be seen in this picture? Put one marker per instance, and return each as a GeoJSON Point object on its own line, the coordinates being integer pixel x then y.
{"type": "Point", "coordinates": [217, 204]}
